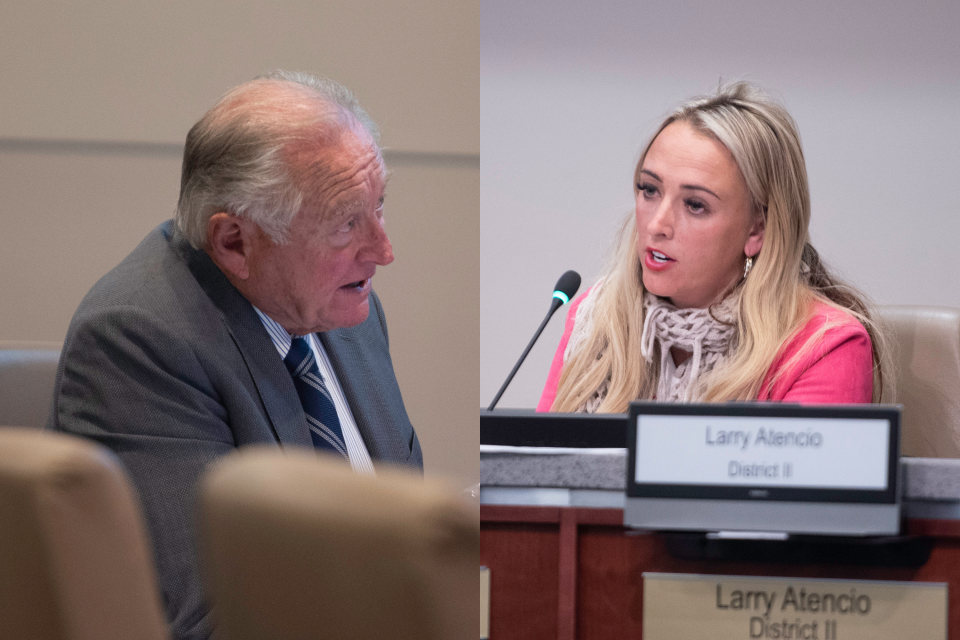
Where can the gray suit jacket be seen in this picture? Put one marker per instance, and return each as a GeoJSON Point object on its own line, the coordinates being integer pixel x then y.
{"type": "Point", "coordinates": [169, 366]}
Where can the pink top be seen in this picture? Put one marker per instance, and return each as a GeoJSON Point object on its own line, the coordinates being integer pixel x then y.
{"type": "Point", "coordinates": [838, 369]}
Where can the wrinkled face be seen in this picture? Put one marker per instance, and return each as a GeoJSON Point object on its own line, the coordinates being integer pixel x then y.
{"type": "Point", "coordinates": [695, 222]}
{"type": "Point", "coordinates": [320, 279]}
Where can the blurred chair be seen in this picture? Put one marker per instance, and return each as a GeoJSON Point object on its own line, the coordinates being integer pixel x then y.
{"type": "Point", "coordinates": [298, 546]}
{"type": "Point", "coordinates": [27, 372]}
{"type": "Point", "coordinates": [74, 561]}
{"type": "Point", "coordinates": [925, 353]}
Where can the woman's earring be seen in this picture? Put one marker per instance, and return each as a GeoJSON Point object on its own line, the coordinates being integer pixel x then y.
{"type": "Point", "coordinates": [747, 266]}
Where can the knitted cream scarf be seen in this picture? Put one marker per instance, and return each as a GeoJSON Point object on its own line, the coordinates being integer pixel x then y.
{"type": "Point", "coordinates": [709, 334]}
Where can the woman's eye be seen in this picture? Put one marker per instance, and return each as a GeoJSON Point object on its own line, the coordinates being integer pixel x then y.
{"type": "Point", "coordinates": [695, 206]}
{"type": "Point", "coordinates": [648, 190]}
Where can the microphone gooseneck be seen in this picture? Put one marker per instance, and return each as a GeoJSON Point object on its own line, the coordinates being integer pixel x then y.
{"type": "Point", "coordinates": [564, 290]}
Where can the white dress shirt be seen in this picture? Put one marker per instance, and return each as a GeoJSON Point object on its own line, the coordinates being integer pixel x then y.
{"type": "Point", "coordinates": [356, 449]}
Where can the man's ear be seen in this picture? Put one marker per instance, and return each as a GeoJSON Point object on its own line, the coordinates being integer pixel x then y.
{"type": "Point", "coordinates": [229, 244]}
{"type": "Point", "coordinates": [755, 239]}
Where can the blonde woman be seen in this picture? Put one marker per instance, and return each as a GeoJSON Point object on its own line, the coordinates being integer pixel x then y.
{"type": "Point", "coordinates": [714, 292]}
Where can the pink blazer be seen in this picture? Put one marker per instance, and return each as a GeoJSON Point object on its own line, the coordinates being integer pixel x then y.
{"type": "Point", "coordinates": [838, 369]}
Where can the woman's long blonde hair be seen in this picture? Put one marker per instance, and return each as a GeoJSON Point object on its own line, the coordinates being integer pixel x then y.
{"type": "Point", "coordinates": [776, 299]}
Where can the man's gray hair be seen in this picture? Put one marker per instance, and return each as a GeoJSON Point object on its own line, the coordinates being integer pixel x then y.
{"type": "Point", "coordinates": [234, 162]}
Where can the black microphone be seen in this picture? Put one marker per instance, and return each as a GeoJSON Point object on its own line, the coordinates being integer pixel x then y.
{"type": "Point", "coordinates": [565, 289]}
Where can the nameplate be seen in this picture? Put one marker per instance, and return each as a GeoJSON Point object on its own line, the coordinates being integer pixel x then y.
{"type": "Point", "coordinates": [739, 608]}
{"type": "Point", "coordinates": [484, 603]}
{"type": "Point", "coordinates": [798, 452]}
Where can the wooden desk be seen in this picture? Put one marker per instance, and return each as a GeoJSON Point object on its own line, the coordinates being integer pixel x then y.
{"type": "Point", "coordinates": [571, 570]}
{"type": "Point", "coordinates": [561, 573]}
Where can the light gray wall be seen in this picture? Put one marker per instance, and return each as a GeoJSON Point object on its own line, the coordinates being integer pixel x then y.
{"type": "Point", "coordinates": [97, 98]}
{"type": "Point", "coordinates": [570, 92]}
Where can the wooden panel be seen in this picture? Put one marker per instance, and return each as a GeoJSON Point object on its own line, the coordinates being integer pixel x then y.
{"type": "Point", "coordinates": [70, 218]}
{"type": "Point", "coordinates": [432, 342]}
{"type": "Point", "coordinates": [500, 513]}
{"type": "Point", "coordinates": [567, 576]}
{"type": "Point", "coordinates": [146, 71]}
{"type": "Point", "coordinates": [936, 528]}
{"type": "Point", "coordinates": [523, 561]}
{"type": "Point", "coordinates": [611, 564]}
{"type": "Point", "coordinates": [610, 561]}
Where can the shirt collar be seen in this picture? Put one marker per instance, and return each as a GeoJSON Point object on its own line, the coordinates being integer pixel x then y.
{"type": "Point", "coordinates": [281, 339]}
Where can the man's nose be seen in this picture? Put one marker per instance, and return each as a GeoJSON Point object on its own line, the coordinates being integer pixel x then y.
{"type": "Point", "coordinates": [378, 247]}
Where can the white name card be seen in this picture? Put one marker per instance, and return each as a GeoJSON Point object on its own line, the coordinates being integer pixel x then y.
{"type": "Point", "coordinates": [677, 606]}
{"type": "Point", "coordinates": [789, 452]}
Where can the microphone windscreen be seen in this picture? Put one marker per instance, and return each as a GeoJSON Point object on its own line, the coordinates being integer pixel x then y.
{"type": "Point", "coordinates": [567, 285]}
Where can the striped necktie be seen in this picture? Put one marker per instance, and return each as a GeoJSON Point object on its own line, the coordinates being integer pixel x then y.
{"type": "Point", "coordinates": [317, 403]}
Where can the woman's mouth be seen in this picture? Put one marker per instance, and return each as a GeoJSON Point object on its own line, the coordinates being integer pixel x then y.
{"type": "Point", "coordinates": [659, 257]}
{"type": "Point", "coordinates": [657, 261]}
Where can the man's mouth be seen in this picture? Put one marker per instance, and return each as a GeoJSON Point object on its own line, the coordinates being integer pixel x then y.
{"type": "Point", "coordinates": [359, 284]}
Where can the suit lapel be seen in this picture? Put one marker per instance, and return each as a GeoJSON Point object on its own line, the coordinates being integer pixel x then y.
{"type": "Point", "coordinates": [273, 381]}
{"type": "Point", "coordinates": [271, 378]}
{"type": "Point", "coordinates": [353, 374]}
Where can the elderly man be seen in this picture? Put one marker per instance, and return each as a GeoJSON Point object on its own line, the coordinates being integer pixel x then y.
{"type": "Point", "coordinates": [248, 319]}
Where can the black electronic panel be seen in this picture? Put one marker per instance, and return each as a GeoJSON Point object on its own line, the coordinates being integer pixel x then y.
{"type": "Point", "coordinates": [519, 428]}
